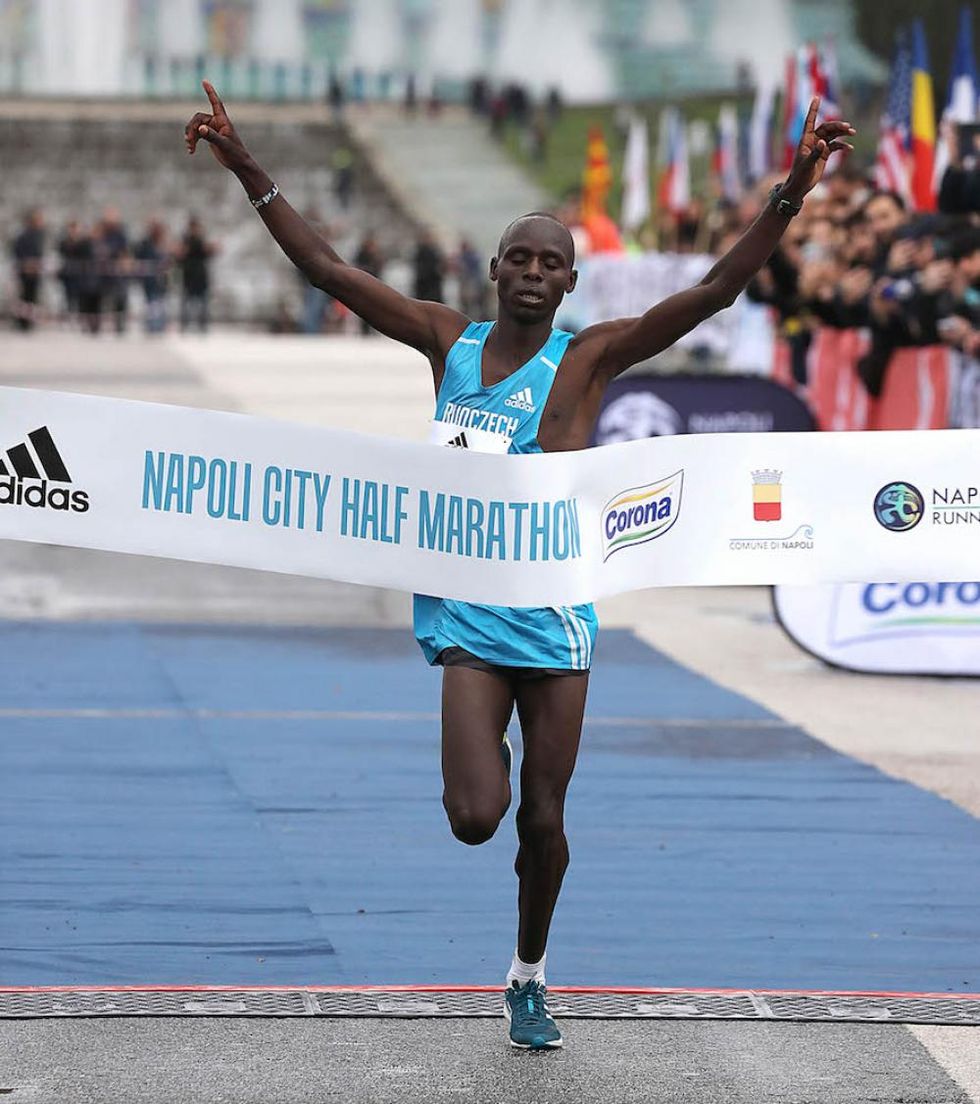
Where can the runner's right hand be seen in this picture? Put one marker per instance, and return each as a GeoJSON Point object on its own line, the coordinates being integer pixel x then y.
{"type": "Point", "coordinates": [216, 129]}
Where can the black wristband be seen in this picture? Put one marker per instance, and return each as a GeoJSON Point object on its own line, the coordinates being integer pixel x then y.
{"type": "Point", "coordinates": [783, 206]}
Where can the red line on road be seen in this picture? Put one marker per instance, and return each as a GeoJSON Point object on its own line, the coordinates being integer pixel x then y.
{"type": "Point", "coordinates": [629, 990]}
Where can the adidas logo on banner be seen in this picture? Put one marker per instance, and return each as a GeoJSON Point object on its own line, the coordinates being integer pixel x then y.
{"type": "Point", "coordinates": [26, 476]}
{"type": "Point", "coordinates": [523, 400]}
{"type": "Point", "coordinates": [458, 442]}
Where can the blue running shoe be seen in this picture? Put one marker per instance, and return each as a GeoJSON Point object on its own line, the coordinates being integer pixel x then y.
{"type": "Point", "coordinates": [531, 1025]}
{"type": "Point", "coordinates": [507, 754]}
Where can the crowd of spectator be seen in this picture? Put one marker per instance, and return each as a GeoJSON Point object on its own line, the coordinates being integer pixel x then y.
{"type": "Point", "coordinates": [98, 268]}
{"type": "Point", "coordinates": [96, 265]}
{"type": "Point", "coordinates": [857, 257]}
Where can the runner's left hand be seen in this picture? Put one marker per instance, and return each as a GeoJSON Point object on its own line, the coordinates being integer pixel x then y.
{"type": "Point", "coordinates": [816, 145]}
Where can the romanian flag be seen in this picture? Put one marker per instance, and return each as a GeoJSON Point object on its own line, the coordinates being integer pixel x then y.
{"type": "Point", "coordinates": [923, 124]}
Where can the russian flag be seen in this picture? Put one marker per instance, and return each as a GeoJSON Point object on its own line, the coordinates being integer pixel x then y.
{"type": "Point", "coordinates": [724, 162]}
{"type": "Point", "coordinates": [923, 124]}
{"type": "Point", "coordinates": [674, 193]}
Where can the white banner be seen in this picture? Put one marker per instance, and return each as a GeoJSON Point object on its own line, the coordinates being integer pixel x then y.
{"type": "Point", "coordinates": [555, 529]}
{"type": "Point", "coordinates": [887, 628]}
{"type": "Point", "coordinates": [617, 285]}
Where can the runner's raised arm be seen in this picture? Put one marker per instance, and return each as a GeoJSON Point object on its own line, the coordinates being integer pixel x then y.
{"type": "Point", "coordinates": [430, 327]}
{"type": "Point", "coordinates": [628, 341]}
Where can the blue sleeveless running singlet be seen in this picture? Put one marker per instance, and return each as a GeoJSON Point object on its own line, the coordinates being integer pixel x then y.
{"type": "Point", "coordinates": [550, 636]}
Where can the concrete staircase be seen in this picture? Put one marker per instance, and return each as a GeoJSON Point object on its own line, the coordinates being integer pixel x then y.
{"type": "Point", "coordinates": [73, 158]}
{"type": "Point", "coordinates": [449, 171]}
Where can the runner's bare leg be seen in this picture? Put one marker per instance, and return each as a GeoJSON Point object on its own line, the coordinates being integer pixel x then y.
{"type": "Point", "coordinates": [476, 707]}
{"type": "Point", "coordinates": [551, 710]}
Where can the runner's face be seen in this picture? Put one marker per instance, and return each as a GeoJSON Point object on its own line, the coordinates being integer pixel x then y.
{"type": "Point", "coordinates": [534, 270]}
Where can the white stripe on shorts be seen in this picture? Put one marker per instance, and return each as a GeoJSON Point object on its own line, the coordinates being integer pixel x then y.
{"type": "Point", "coordinates": [573, 643]}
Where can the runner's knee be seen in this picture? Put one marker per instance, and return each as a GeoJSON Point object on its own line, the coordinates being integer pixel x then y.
{"type": "Point", "coordinates": [540, 822]}
{"type": "Point", "coordinates": [472, 822]}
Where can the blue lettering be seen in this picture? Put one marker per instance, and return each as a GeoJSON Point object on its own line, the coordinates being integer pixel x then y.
{"type": "Point", "coordinates": [369, 510]}
{"type": "Point", "coordinates": [454, 525]}
{"type": "Point", "coordinates": [869, 598]}
{"type": "Point", "coordinates": [968, 593]}
{"type": "Point", "coordinates": [611, 525]}
{"type": "Point", "coordinates": [518, 509]}
{"type": "Point", "coordinates": [175, 483]}
{"type": "Point", "coordinates": [272, 485]}
{"type": "Point", "coordinates": [197, 469]}
{"type": "Point", "coordinates": [560, 539]}
{"type": "Point", "coordinates": [232, 489]}
{"type": "Point", "coordinates": [349, 503]}
{"type": "Point", "coordinates": [432, 522]}
{"type": "Point", "coordinates": [474, 527]}
{"type": "Point", "coordinates": [916, 594]}
{"type": "Point", "coordinates": [153, 480]}
{"type": "Point", "coordinates": [321, 487]}
{"type": "Point", "coordinates": [496, 531]}
{"type": "Point", "coordinates": [303, 477]}
{"type": "Point", "coordinates": [217, 481]}
{"type": "Point", "coordinates": [576, 541]}
{"type": "Point", "coordinates": [287, 498]}
{"type": "Point", "coordinates": [540, 529]}
{"type": "Point", "coordinates": [401, 514]}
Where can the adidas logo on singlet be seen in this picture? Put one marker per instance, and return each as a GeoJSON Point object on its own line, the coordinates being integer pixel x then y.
{"type": "Point", "coordinates": [523, 400]}
{"type": "Point", "coordinates": [458, 442]}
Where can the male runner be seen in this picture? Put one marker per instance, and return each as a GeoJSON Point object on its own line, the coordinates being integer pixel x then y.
{"type": "Point", "coordinates": [517, 386]}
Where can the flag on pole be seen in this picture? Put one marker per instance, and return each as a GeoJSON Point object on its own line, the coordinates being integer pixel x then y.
{"type": "Point", "coordinates": [826, 81]}
{"type": "Point", "coordinates": [597, 178]}
{"type": "Point", "coordinates": [724, 163]}
{"type": "Point", "coordinates": [964, 89]}
{"type": "Point", "coordinates": [788, 145]}
{"type": "Point", "coordinates": [760, 131]}
{"type": "Point", "coordinates": [892, 161]}
{"type": "Point", "coordinates": [674, 193]}
{"type": "Point", "coordinates": [923, 123]}
{"type": "Point", "coordinates": [636, 176]}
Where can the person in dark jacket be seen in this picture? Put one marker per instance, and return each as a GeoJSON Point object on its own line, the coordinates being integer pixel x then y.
{"type": "Point", "coordinates": [430, 267]}
{"type": "Point", "coordinates": [194, 255]}
{"type": "Point", "coordinates": [28, 253]}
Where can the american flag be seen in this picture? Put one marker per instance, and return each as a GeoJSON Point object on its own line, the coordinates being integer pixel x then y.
{"type": "Point", "coordinates": [892, 170]}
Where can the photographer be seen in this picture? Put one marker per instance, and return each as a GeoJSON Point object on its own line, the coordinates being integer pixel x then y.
{"type": "Point", "coordinates": [958, 313]}
{"type": "Point", "coordinates": [959, 192]}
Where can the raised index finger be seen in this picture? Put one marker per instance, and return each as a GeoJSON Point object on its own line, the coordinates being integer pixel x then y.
{"type": "Point", "coordinates": [216, 104]}
{"type": "Point", "coordinates": [811, 115]}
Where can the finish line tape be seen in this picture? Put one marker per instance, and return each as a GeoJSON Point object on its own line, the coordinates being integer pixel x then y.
{"type": "Point", "coordinates": [555, 529]}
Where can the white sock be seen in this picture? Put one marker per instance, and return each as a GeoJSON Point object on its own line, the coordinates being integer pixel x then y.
{"type": "Point", "coordinates": [523, 972]}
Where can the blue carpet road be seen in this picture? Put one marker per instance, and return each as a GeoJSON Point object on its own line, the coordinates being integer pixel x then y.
{"type": "Point", "coordinates": [202, 805]}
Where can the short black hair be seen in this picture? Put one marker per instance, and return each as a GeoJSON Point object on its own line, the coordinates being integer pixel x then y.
{"type": "Point", "coordinates": [965, 243]}
{"type": "Point", "coordinates": [886, 193]}
{"type": "Point", "coordinates": [539, 215]}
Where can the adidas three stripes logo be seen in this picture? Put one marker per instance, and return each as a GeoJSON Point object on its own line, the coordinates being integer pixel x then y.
{"type": "Point", "coordinates": [38, 459]}
{"type": "Point", "coordinates": [22, 464]}
{"type": "Point", "coordinates": [522, 400]}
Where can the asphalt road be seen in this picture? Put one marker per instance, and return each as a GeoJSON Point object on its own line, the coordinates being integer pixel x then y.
{"type": "Point", "coordinates": [920, 731]}
{"type": "Point", "coordinates": [381, 1061]}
